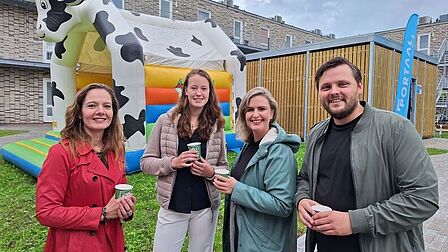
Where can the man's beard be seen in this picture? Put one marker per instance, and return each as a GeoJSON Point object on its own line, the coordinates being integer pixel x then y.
{"type": "Point", "coordinates": [348, 110]}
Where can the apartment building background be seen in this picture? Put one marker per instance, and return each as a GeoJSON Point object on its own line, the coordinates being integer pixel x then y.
{"type": "Point", "coordinates": [25, 86]}
{"type": "Point", "coordinates": [432, 39]}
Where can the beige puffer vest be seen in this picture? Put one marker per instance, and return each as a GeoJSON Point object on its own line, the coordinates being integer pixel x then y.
{"type": "Point", "coordinates": [162, 147]}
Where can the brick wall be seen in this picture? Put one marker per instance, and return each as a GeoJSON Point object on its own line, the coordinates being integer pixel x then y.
{"type": "Point", "coordinates": [23, 95]}
{"type": "Point", "coordinates": [18, 34]}
{"type": "Point", "coordinates": [438, 33]}
{"type": "Point", "coordinates": [225, 16]}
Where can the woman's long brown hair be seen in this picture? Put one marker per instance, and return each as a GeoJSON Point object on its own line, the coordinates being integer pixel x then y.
{"type": "Point", "coordinates": [74, 132]}
{"type": "Point", "coordinates": [210, 113]}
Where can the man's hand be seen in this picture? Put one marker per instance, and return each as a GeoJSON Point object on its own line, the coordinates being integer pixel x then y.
{"type": "Point", "coordinates": [332, 223]}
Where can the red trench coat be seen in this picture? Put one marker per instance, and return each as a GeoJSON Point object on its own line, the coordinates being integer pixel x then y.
{"type": "Point", "coordinates": [70, 194]}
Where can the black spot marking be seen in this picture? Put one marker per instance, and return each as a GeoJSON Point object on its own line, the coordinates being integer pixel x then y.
{"type": "Point", "coordinates": [177, 51]}
{"type": "Point", "coordinates": [238, 101]}
{"type": "Point", "coordinates": [99, 45]}
{"type": "Point", "coordinates": [106, 2]}
{"type": "Point", "coordinates": [132, 125]}
{"type": "Point", "coordinates": [196, 41]}
{"type": "Point", "coordinates": [55, 92]}
{"type": "Point", "coordinates": [209, 20]}
{"type": "Point", "coordinates": [73, 2]}
{"type": "Point", "coordinates": [122, 100]}
{"type": "Point", "coordinates": [102, 25]}
{"type": "Point", "coordinates": [140, 35]}
{"type": "Point", "coordinates": [56, 16]}
{"type": "Point", "coordinates": [59, 48]}
{"type": "Point", "coordinates": [132, 49]}
{"type": "Point", "coordinates": [241, 58]}
{"type": "Point", "coordinates": [135, 13]}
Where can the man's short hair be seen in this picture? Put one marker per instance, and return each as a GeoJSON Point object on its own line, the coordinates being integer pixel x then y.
{"type": "Point", "coordinates": [335, 62]}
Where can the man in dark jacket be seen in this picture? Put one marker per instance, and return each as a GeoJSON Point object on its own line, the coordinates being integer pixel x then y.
{"type": "Point", "coordinates": [369, 166]}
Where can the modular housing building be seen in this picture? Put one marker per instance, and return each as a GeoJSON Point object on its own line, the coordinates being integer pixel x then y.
{"type": "Point", "coordinates": [289, 75]}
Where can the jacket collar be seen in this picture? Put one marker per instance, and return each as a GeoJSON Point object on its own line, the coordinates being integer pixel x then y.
{"type": "Point", "coordinates": [323, 126]}
{"type": "Point", "coordinates": [87, 156]}
{"type": "Point", "coordinates": [365, 117]}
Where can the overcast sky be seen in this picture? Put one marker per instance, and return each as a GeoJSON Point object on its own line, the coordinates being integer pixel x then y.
{"type": "Point", "coordinates": [346, 17]}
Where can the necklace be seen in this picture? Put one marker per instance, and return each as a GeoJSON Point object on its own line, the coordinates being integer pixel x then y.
{"type": "Point", "coordinates": [101, 149]}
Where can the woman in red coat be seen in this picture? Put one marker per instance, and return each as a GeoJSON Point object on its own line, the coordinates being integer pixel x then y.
{"type": "Point", "coordinates": [75, 189]}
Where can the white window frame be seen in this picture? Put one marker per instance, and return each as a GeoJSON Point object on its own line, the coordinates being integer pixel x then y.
{"type": "Point", "coordinates": [122, 4]}
{"type": "Point", "coordinates": [171, 8]}
{"type": "Point", "coordinates": [429, 43]}
{"type": "Point", "coordinates": [45, 106]}
{"type": "Point", "coordinates": [290, 40]}
{"type": "Point", "coordinates": [204, 11]}
{"type": "Point", "coordinates": [269, 34]}
{"type": "Point", "coordinates": [238, 39]}
{"type": "Point", "coordinates": [45, 51]}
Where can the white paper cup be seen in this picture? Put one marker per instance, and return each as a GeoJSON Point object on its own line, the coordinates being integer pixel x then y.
{"type": "Point", "coordinates": [223, 172]}
{"type": "Point", "coordinates": [122, 190]}
{"type": "Point", "coordinates": [195, 146]}
{"type": "Point", "coordinates": [321, 208]}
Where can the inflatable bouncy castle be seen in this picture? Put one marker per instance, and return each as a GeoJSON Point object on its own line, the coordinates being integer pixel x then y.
{"type": "Point", "coordinates": [144, 58]}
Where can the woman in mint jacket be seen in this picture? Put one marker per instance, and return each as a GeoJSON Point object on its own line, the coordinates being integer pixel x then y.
{"type": "Point", "coordinates": [259, 211]}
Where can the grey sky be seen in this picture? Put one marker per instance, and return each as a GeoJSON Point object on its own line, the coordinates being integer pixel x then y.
{"type": "Point", "coordinates": [346, 17]}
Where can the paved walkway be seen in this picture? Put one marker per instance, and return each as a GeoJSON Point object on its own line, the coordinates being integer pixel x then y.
{"type": "Point", "coordinates": [435, 230]}
{"type": "Point", "coordinates": [34, 130]}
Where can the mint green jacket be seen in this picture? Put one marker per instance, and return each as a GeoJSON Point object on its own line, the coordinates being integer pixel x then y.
{"type": "Point", "coordinates": [263, 200]}
{"type": "Point", "coordinates": [394, 181]}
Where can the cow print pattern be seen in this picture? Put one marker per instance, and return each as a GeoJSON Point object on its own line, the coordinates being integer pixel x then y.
{"type": "Point", "coordinates": [196, 41]}
{"type": "Point", "coordinates": [59, 48]}
{"type": "Point", "coordinates": [73, 2]}
{"type": "Point", "coordinates": [241, 58]}
{"type": "Point", "coordinates": [56, 16]}
{"type": "Point", "coordinates": [122, 100]}
{"type": "Point", "coordinates": [177, 51]}
{"type": "Point", "coordinates": [213, 23]}
{"type": "Point", "coordinates": [55, 92]}
{"type": "Point", "coordinates": [132, 49]}
{"type": "Point", "coordinates": [132, 125]}
{"type": "Point", "coordinates": [99, 45]}
{"type": "Point", "coordinates": [140, 35]}
{"type": "Point", "coordinates": [102, 25]}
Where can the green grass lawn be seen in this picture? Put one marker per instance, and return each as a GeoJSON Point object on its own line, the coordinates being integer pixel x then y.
{"type": "Point", "coordinates": [435, 151]}
{"type": "Point", "coordinates": [20, 231]}
{"type": "Point", "coordinates": [10, 132]}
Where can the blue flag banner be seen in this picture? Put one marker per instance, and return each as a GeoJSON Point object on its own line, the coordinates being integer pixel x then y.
{"type": "Point", "coordinates": [407, 60]}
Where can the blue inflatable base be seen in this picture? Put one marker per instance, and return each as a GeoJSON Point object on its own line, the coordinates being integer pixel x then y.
{"type": "Point", "coordinates": [132, 157]}
{"type": "Point", "coordinates": [26, 166]}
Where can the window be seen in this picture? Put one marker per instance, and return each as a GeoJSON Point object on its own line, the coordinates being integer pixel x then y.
{"type": "Point", "coordinates": [288, 41]}
{"type": "Point", "coordinates": [48, 106]}
{"type": "Point", "coordinates": [48, 51]}
{"type": "Point", "coordinates": [264, 36]}
{"type": "Point", "coordinates": [118, 3]}
{"type": "Point", "coordinates": [423, 43]}
{"type": "Point", "coordinates": [237, 31]}
{"type": "Point", "coordinates": [166, 9]}
{"type": "Point", "coordinates": [203, 14]}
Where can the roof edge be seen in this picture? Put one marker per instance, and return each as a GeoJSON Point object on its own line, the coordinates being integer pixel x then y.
{"type": "Point", "coordinates": [353, 40]}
